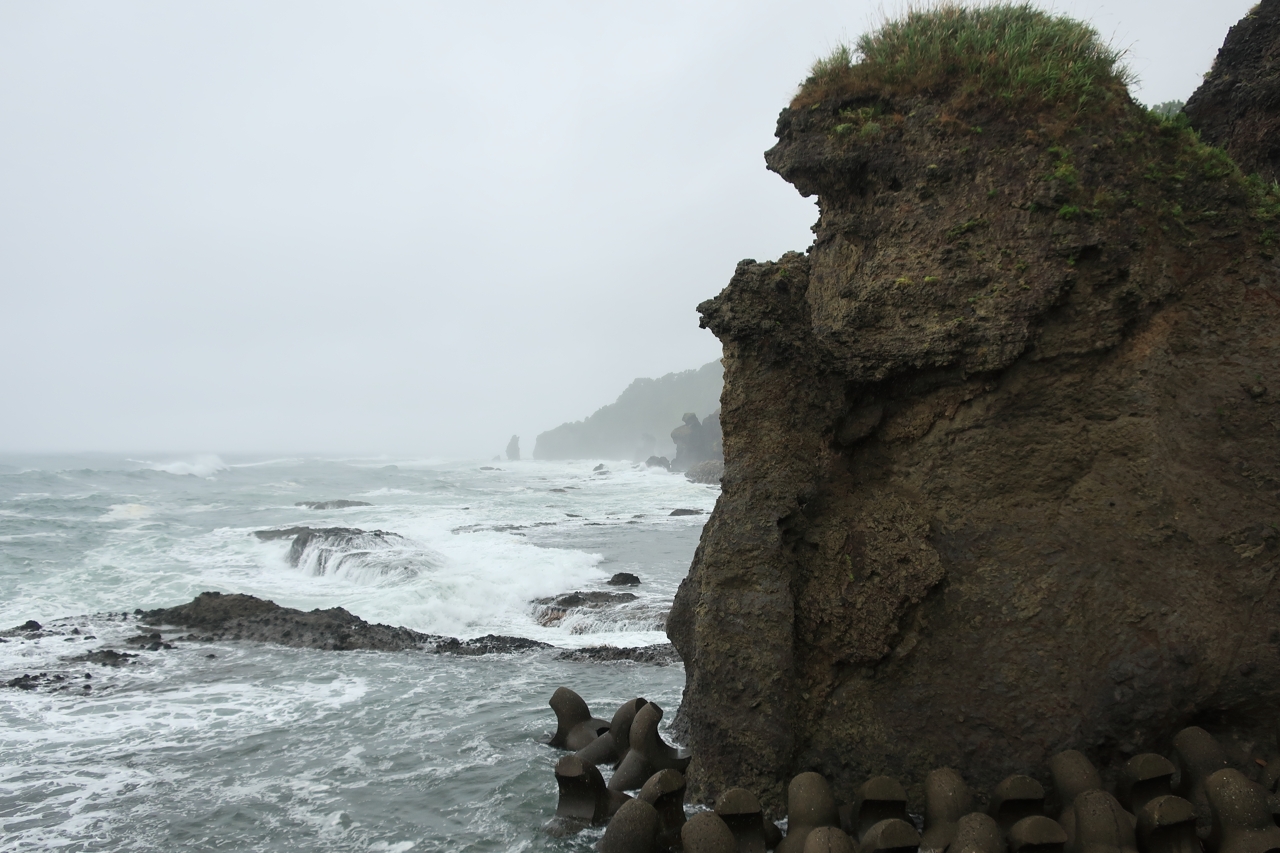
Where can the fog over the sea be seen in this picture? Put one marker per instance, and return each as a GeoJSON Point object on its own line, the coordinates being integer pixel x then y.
{"type": "Point", "coordinates": [409, 227]}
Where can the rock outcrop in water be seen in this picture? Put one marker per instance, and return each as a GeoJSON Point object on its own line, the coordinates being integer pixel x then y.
{"type": "Point", "coordinates": [634, 427]}
{"type": "Point", "coordinates": [513, 449]}
{"type": "Point", "coordinates": [341, 504]}
{"type": "Point", "coordinates": [1238, 105]}
{"type": "Point", "coordinates": [1002, 452]}
{"type": "Point", "coordinates": [217, 617]}
{"type": "Point", "coordinates": [213, 616]}
{"type": "Point", "coordinates": [328, 550]}
{"type": "Point", "coordinates": [696, 441]}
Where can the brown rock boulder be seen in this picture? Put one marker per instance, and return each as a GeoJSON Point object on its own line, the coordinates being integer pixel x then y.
{"type": "Point", "coordinates": [1002, 455]}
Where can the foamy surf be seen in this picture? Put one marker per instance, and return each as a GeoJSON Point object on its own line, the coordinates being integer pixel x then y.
{"type": "Point", "coordinates": [264, 747]}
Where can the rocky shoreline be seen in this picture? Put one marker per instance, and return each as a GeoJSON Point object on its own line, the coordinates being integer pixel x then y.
{"type": "Point", "coordinates": [215, 617]}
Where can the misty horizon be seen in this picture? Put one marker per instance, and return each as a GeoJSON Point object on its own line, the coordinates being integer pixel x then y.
{"type": "Point", "coordinates": [318, 229]}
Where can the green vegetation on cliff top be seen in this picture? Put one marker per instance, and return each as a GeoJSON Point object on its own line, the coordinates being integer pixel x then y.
{"type": "Point", "coordinates": [1013, 54]}
{"type": "Point", "coordinates": [1014, 57]}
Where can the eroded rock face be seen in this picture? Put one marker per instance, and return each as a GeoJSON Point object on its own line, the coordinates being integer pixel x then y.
{"type": "Point", "coordinates": [1238, 105]}
{"type": "Point", "coordinates": [1001, 478]}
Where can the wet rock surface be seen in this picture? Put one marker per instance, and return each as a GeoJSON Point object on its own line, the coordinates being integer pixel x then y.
{"type": "Point", "coordinates": [53, 682]}
{"type": "Point", "coordinates": [659, 654]}
{"type": "Point", "coordinates": [554, 610]}
{"type": "Point", "coordinates": [340, 504]}
{"type": "Point", "coordinates": [987, 462]}
{"type": "Point", "coordinates": [214, 617]}
{"type": "Point", "coordinates": [489, 644]}
{"type": "Point", "coordinates": [330, 544]}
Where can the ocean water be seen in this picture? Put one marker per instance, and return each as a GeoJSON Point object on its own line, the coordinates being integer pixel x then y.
{"type": "Point", "coordinates": [269, 748]}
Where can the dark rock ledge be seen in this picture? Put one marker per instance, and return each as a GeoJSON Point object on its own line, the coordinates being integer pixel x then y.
{"type": "Point", "coordinates": [215, 616]}
{"type": "Point", "coordinates": [219, 617]}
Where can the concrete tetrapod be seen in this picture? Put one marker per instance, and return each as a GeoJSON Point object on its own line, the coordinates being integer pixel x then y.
{"type": "Point", "coordinates": [1167, 824]}
{"type": "Point", "coordinates": [946, 799]}
{"type": "Point", "coordinates": [740, 810]}
{"type": "Point", "coordinates": [634, 829]}
{"type": "Point", "coordinates": [665, 790]}
{"type": "Point", "coordinates": [583, 795]}
{"type": "Point", "coordinates": [620, 727]}
{"type": "Point", "coordinates": [978, 832]}
{"type": "Point", "coordinates": [575, 727]}
{"type": "Point", "coordinates": [829, 839]}
{"type": "Point", "coordinates": [1099, 825]}
{"type": "Point", "coordinates": [705, 832]}
{"type": "Point", "coordinates": [893, 835]}
{"type": "Point", "coordinates": [1037, 834]}
{"type": "Point", "coordinates": [1198, 756]}
{"type": "Point", "coordinates": [1073, 774]}
{"type": "Point", "coordinates": [1243, 817]}
{"type": "Point", "coordinates": [810, 804]}
{"type": "Point", "coordinates": [1143, 778]}
{"type": "Point", "coordinates": [877, 799]}
{"type": "Point", "coordinates": [648, 753]}
{"type": "Point", "coordinates": [602, 750]}
{"type": "Point", "coordinates": [1015, 798]}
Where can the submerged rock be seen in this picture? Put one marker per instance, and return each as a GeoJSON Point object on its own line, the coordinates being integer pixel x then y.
{"type": "Point", "coordinates": [659, 654]}
{"type": "Point", "coordinates": [996, 481]}
{"type": "Point", "coordinates": [105, 657]}
{"type": "Point", "coordinates": [489, 644]}
{"type": "Point", "coordinates": [340, 504]}
{"type": "Point", "coordinates": [552, 611]}
{"type": "Point", "coordinates": [325, 550]}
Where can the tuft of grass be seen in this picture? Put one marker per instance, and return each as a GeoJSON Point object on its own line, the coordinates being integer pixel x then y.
{"type": "Point", "coordinates": [1008, 53]}
{"type": "Point", "coordinates": [964, 228]}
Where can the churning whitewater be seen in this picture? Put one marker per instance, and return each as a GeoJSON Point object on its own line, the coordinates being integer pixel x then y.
{"type": "Point", "coordinates": [259, 747]}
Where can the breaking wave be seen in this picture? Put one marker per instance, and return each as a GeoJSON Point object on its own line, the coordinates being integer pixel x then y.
{"type": "Point", "coordinates": [362, 557]}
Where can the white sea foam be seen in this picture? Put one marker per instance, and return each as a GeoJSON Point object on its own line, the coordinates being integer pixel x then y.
{"type": "Point", "coordinates": [127, 512]}
{"type": "Point", "coordinates": [203, 465]}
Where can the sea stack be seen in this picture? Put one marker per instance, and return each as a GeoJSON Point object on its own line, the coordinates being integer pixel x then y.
{"type": "Point", "coordinates": [513, 449]}
{"type": "Point", "coordinates": [1001, 449]}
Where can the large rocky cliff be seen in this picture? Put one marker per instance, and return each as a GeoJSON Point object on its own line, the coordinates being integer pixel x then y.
{"type": "Point", "coordinates": [1002, 453]}
{"type": "Point", "coordinates": [1238, 106]}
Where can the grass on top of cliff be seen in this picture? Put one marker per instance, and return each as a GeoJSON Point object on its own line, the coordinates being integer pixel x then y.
{"type": "Point", "coordinates": [1009, 54]}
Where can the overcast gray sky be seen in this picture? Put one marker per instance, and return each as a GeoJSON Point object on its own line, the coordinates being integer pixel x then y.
{"type": "Point", "coordinates": [400, 226]}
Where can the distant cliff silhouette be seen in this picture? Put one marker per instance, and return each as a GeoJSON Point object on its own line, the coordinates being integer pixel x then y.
{"type": "Point", "coordinates": [639, 424]}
